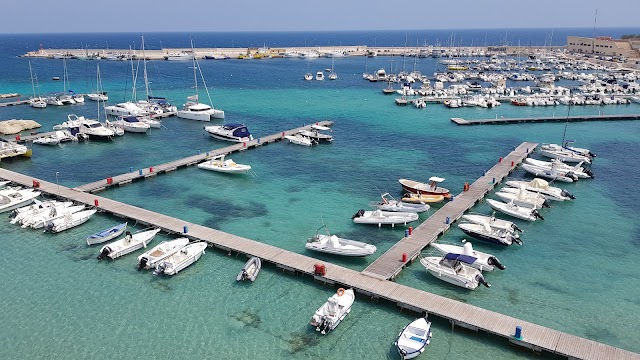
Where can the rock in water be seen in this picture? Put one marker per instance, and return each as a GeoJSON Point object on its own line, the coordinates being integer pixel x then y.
{"type": "Point", "coordinates": [9, 127]}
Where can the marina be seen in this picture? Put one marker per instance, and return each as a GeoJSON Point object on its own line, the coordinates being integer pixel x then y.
{"type": "Point", "coordinates": [542, 119]}
{"type": "Point", "coordinates": [537, 338]}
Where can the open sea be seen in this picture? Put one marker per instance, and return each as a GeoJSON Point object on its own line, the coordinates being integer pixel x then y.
{"type": "Point", "coordinates": [576, 271]}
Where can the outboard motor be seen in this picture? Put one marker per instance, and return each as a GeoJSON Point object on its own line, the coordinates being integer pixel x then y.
{"type": "Point", "coordinates": [482, 281]}
{"type": "Point", "coordinates": [565, 193]}
{"type": "Point", "coordinates": [516, 240]}
{"type": "Point", "coordinates": [572, 176]}
{"type": "Point", "coordinates": [142, 263]}
{"type": "Point", "coordinates": [160, 268]}
{"type": "Point", "coordinates": [591, 154]}
{"type": "Point", "coordinates": [358, 214]}
{"type": "Point", "coordinates": [492, 260]}
{"type": "Point", "coordinates": [106, 251]}
{"type": "Point", "coordinates": [536, 214]}
{"type": "Point", "coordinates": [546, 204]}
{"type": "Point", "coordinates": [588, 172]}
{"type": "Point", "coordinates": [516, 228]}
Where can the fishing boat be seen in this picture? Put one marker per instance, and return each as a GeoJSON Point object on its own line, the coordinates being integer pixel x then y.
{"type": "Point", "coordinates": [552, 173]}
{"type": "Point", "coordinates": [300, 139]}
{"type": "Point", "coordinates": [484, 261]}
{"type": "Point", "coordinates": [332, 312]}
{"type": "Point", "coordinates": [14, 198]}
{"type": "Point", "coordinates": [229, 132]}
{"type": "Point", "coordinates": [522, 197]}
{"type": "Point", "coordinates": [422, 198]}
{"type": "Point", "coordinates": [577, 169]}
{"type": "Point", "coordinates": [332, 244]}
{"type": "Point", "coordinates": [39, 219]}
{"type": "Point", "coordinates": [149, 259]}
{"type": "Point", "coordinates": [555, 151]}
{"type": "Point", "coordinates": [414, 338]}
{"type": "Point", "coordinates": [493, 235]}
{"type": "Point", "coordinates": [106, 234]}
{"type": "Point", "coordinates": [379, 217]}
{"type": "Point", "coordinates": [455, 269]}
{"type": "Point", "coordinates": [432, 188]}
{"type": "Point", "coordinates": [181, 259]}
{"type": "Point", "coordinates": [228, 166]}
{"type": "Point", "coordinates": [514, 210]}
{"type": "Point", "coordinates": [541, 186]}
{"type": "Point", "coordinates": [68, 221]}
{"type": "Point", "coordinates": [129, 243]}
{"type": "Point", "coordinates": [250, 270]}
{"type": "Point", "coordinates": [388, 203]}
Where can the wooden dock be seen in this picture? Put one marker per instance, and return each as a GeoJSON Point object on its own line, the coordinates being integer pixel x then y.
{"type": "Point", "coordinates": [536, 337]}
{"type": "Point", "coordinates": [12, 103]}
{"type": "Point", "coordinates": [501, 120]}
{"type": "Point", "coordinates": [389, 265]}
{"type": "Point", "coordinates": [188, 161]}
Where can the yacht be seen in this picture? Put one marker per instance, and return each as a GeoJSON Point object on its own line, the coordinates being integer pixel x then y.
{"type": "Point", "coordinates": [132, 124]}
{"type": "Point", "coordinates": [229, 132]}
{"type": "Point", "coordinates": [199, 111]}
{"type": "Point", "coordinates": [181, 56]}
{"type": "Point", "coordinates": [96, 130]}
{"type": "Point", "coordinates": [320, 76]}
{"type": "Point", "coordinates": [125, 109]}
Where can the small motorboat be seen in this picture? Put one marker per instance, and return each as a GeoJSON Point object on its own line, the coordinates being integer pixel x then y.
{"type": "Point", "coordinates": [229, 132]}
{"type": "Point", "coordinates": [332, 244]}
{"type": "Point", "coordinates": [484, 261]}
{"type": "Point", "coordinates": [228, 166]}
{"type": "Point", "coordinates": [300, 139]}
{"type": "Point", "coordinates": [455, 269]}
{"type": "Point", "coordinates": [3, 184]}
{"type": "Point", "coordinates": [514, 210]}
{"type": "Point", "coordinates": [131, 123]}
{"type": "Point", "coordinates": [316, 136]}
{"type": "Point", "coordinates": [553, 173]}
{"type": "Point", "coordinates": [51, 139]}
{"type": "Point", "coordinates": [388, 203]}
{"type": "Point", "coordinates": [493, 235]}
{"type": "Point", "coordinates": [432, 188]}
{"type": "Point", "coordinates": [11, 198]}
{"type": "Point", "coordinates": [68, 221]}
{"type": "Point", "coordinates": [522, 197]}
{"type": "Point", "coordinates": [181, 259]}
{"type": "Point", "coordinates": [577, 170]}
{"type": "Point", "coordinates": [422, 198]}
{"type": "Point", "coordinates": [129, 243]}
{"type": "Point", "coordinates": [492, 221]}
{"type": "Point", "coordinates": [320, 127]}
{"type": "Point", "coordinates": [332, 312]}
{"type": "Point", "coordinates": [152, 257]}
{"type": "Point", "coordinates": [38, 207]}
{"type": "Point", "coordinates": [383, 217]}
{"type": "Point", "coordinates": [541, 186]}
{"type": "Point", "coordinates": [414, 338]}
{"type": "Point", "coordinates": [250, 270]}
{"type": "Point", "coordinates": [39, 219]}
{"type": "Point", "coordinates": [556, 151]}
{"type": "Point", "coordinates": [107, 234]}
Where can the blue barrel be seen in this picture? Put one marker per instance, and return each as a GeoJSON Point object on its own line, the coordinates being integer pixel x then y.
{"type": "Point", "coordinates": [452, 197]}
{"type": "Point", "coordinates": [406, 233]}
{"type": "Point", "coordinates": [258, 140]}
{"type": "Point", "coordinates": [185, 229]}
{"type": "Point", "coordinates": [518, 334]}
{"type": "Point", "coordinates": [140, 172]}
{"type": "Point", "coordinates": [447, 220]}
{"type": "Point", "coordinates": [130, 168]}
{"type": "Point", "coordinates": [493, 180]}
{"type": "Point", "coordinates": [207, 153]}
{"type": "Point", "coordinates": [198, 151]}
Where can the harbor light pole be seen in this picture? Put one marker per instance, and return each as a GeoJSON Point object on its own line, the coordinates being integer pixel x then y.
{"type": "Point", "coordinates": [57, 183]}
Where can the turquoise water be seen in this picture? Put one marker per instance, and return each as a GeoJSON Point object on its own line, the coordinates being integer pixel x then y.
{"type": "Point", "coordinates": [575, 273]}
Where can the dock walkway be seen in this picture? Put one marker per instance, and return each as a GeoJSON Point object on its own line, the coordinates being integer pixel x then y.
{"type": "Point", "coordinates": [497, 121]}
{"type": "Point", "coordinates": [389, 264]}
{"type": "Point", "coordinates": [188, 161]}
{"type": "Point", "coordinates": [535, 337]}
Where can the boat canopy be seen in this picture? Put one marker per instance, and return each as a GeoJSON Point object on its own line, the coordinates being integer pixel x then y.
{"type": "Point", "coordinates": [436, 179]}
{"type": "Point", "coordinates": [130, 119]}
{"type": "Point", "coordinates": [461, 257]}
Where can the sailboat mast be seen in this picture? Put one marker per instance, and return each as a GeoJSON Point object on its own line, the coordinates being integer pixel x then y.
{"type": "Point", "coordinates": [133, 77]}
{"type": "Point", "coordinates": [33, 87]}
{"type": "Point", "coordinates": [195, 74]}
{"type": "Point", "coordinates": [144, 70]}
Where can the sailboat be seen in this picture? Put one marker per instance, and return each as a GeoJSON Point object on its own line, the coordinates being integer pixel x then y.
{"type": "Point", "coordinates": [195, 110]}
{"type": "Point", "coordinates": [36, 101]}
{"type": "Point", "coordinates": [74, 98]}
{"type": "Point", "coordinates": [99, 95]}
{"type": "Point", "coordinates": [129, 107]}
{"type": "Point", "coordinates": [332, 74]}
{"type": "Point", "coordinates": [154, 105]}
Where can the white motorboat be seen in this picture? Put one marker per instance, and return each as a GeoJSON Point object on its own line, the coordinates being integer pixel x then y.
{"type": "Point", "coordinates": [332, 244]}
{"type": "Point", "coordinates": [379, 217]}
{"type": "Point", "coordinates": [51, 139]}
{"type": "Point", "coordinates": [414, 338]}
{"type": "Point", "coordinates": [25, 212]}
{"type": "Point", "coordinates": [229, 132]}
{"type": "Point", "coordinates": [493, 222]}
{"type": "Point", "coordinates": [493, 235]}
{"type": "Point", "coordinates": [107, 234]}
{"type": "Point", "coordinates": [129, 243]}
{"type": "Point", "coordinates": [38, 103]}
{"type": "Point", "coordinates": [228, 166]}
{"type": "Point", "coordinates": [308, 76]}
{"type": "Point", "coordinates": [250, 270]}
{"type": "Point", "coordinates": [68, 221]}
{"type": "Point", "coordinates": [151, 122]}
{"type": "Point", "coordinates": [514, 210]}
{"type": "Point", "coordinates": [388, 203]}
{"type": "Point", "coordinates": [98, 96]}
{"type": "Point", "coordinates": [95, 129]}
{"type": "Point", "coordinates": [199, 111]}
{"type": "Point", "coordinates": [128, 108]}
{"type": "Point", "coordinates": [300, 139]}
{"type": "Point", "coordinates": [484, 261]}
{"type": "Point", "coordinates": [316, 135]}
{"type": "Point", "coordinates": [332, 312]}
{"type": "Point", "coordinates": [319, 76]}
{"type": "Point", "coordinates": [555, 151]}
{"type": "Point", "coordinates": [542, 187]}
{"type": "Point", "coordinates": [39, 219]}
{"type": "Point", "coordinates": [553, 173]}
{"type": "Point", "coordinates": [11, 149]}
{"type": "Point", "coordinates": [132, 124]}
{"type": "Point", "coordinates": [3, 184]}
{"type": "Point", "coordinates": [577, 169]}
{"type": "Point", "coordinates": [522, 197]}
{"type": "Point", "coordinates": [152, 257]}
{"type": "Point", "coordinates": [180, 260]}
{"type": "Point", "coordinates": [14, 198]}
{"type": "Point", "coordinates": [181, 56]}
{"type": "Point", "coordinates": [455, 269]}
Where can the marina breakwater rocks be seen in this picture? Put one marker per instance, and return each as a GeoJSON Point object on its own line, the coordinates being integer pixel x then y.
{"type": "Point", "coordinates": [10, 127]}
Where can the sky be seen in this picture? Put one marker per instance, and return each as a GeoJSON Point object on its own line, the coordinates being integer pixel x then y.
{"type": "Point", "coordinates": [46, 16]}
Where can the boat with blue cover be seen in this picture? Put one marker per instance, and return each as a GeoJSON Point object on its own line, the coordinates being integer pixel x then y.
{"type": "Point", "coordinates": [106, 234]}
{"type": "Point", "coordinates": [414, 338]}
{"type": "Point", "coordinates": [455, 269]}
{"type": "Point", "coordinates": [229, 132]}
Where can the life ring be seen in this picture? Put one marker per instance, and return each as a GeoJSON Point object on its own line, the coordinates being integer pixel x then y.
{"type": "Point", "coordinates": [340, 292]}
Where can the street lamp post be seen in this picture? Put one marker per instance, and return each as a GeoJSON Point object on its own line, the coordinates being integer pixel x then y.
{"type": "Point", "coordinates": [57, 183]}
